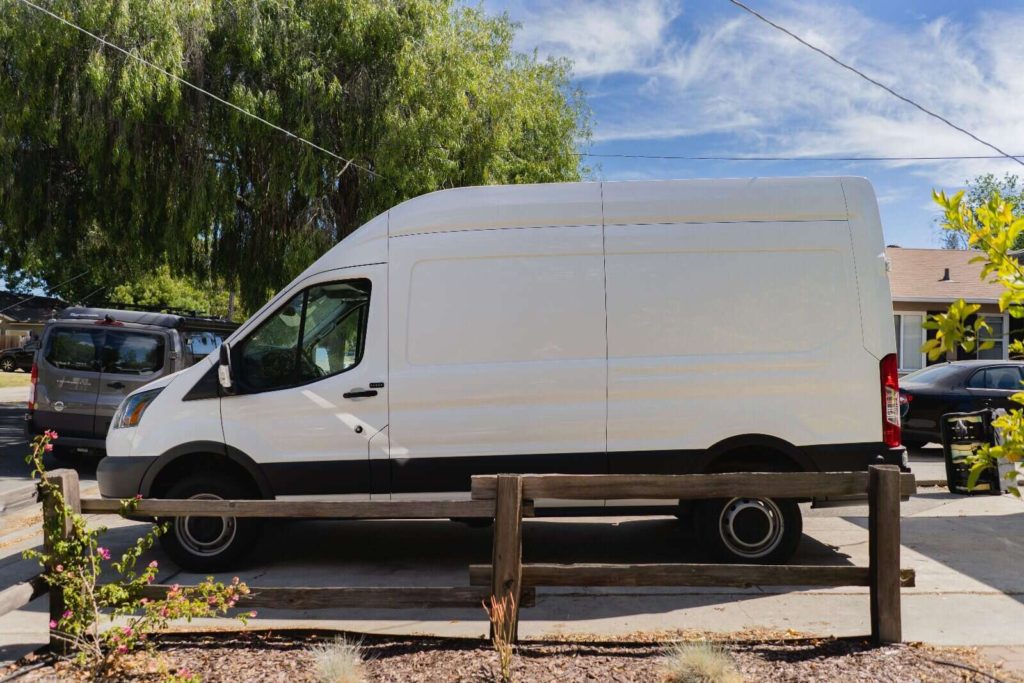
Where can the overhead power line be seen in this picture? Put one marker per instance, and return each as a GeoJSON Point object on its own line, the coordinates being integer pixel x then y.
{"type": "Point", "coordinates": [784, 158]}
{"type": "Point", "coordinates": [867, 78]}
{"type": "Point", "coordinates": [165, 72]}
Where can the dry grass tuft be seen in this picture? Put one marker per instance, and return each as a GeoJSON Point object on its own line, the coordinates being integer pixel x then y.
{"type": "Point", "coordinates": [699, 662]}
{"type": "Point", "coordinates": [338, 662]}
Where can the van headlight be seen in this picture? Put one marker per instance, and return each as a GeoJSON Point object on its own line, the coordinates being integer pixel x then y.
{"type": "Point", "coordinates": [130, 412]}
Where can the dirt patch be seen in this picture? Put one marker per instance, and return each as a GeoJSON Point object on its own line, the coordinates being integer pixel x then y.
{"type": "Point", "coordinates": [284, 657]}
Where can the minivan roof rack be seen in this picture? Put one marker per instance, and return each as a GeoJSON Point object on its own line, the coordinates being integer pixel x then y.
{"type": "Point", "coordinates": [159, 319]}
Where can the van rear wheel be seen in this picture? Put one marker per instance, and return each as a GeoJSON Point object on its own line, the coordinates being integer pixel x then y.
{"type": "Point", "coordinates": [750, 530]}
{"type": "Point", "coordinates": [209, 544]}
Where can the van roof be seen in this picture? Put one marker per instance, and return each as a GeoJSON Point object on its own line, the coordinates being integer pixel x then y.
{"type": "Point", "coordinates": [624, 203]}
{"type": "Point", "coordinates": [168, 320]}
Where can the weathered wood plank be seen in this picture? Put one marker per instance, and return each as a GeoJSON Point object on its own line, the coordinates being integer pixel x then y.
{"type": "Point", "coordinates": [55, 520]}
{"type": "Point", "coordinates": [17, 497]}
{"type": "Point", "coordinates": [884, 553]}
{"type": "Point", "coordinates": [687, 486]}
{"type": "Point", "coordinates": [507, 548]}
{"type": "Point", "coordinates": [722, 575]}
{"type": "Point", "coordinates": [20, 594]}
{"type": "Point", "coordinates": [370, 597]}
{"type": "Point", "coordinates": [299, 508]}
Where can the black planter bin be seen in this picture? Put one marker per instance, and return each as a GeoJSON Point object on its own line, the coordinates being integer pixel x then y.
{"type": "Point", "coordinates": [962, 434]}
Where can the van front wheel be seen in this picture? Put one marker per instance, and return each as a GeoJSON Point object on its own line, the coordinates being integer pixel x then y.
{"type": "Point", "coordinates": [208, 544]}
{"type": "Point", "coordinates": [750, 530]}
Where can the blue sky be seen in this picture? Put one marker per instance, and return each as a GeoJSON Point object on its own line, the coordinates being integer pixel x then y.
{"type": "Point", "coordinates": [704, 78]}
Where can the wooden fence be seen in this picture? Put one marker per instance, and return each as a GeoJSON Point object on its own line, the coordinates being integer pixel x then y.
{"type": "Point", "coordinates": [509, 498]}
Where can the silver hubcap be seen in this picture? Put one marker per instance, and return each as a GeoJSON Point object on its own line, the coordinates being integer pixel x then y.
{"type": "Point", "coordinates": [206, 536]}
{"type": "Point", "coordinates": [751, 527]}
{"type": "Point", "coordinates": [8, 365]}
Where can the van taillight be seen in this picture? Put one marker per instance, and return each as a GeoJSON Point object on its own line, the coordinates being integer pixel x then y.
{"type": "Point", "coordinates": [32, 387]}
{"type": "Point", "coordinates": [890, 382]}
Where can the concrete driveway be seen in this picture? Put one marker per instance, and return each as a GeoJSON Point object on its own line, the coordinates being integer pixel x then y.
{"type": "Point", "coordinates": [967, 553]}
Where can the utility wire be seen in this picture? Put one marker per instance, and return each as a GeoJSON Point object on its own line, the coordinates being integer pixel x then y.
{"type": "Point", "coordinates": [783, 158]}
{"type": "Point", "coordinates": [299, 138]}
{"type": "Point", "coordinates": [36, 296]}
{"type": "Point", "coordinates": [874, 82]}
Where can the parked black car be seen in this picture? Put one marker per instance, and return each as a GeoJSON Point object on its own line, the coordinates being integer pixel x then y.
{"type": "Point", "coordinates": [18, 358]}
{"type": "Point", "coordinates": [958, 387]}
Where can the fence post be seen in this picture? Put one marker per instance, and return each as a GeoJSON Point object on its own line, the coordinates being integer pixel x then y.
{"type": "Point", "coordinates": [507, 552]}
{"type": "Point", "coordinates": [66, 481]}
{"type": "Point", "coordinates": [884, 552]}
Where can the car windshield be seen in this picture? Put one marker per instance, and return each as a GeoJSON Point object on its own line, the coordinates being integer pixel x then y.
{"type": "Point", "coordinates": [930, 375]}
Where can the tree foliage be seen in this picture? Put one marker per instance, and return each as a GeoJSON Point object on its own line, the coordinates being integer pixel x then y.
{"type": "Point", "coordinates": [161, 290]}
{"type": "Point", "coordinates": [977, 194]}
{"type": "Point", "coordinates": [109, 165]}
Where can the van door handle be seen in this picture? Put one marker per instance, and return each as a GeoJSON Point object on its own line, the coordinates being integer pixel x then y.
{"type": "Point", "coordinates": [116, 385]}
{"type": "Point", "coordinates": [360, 393]}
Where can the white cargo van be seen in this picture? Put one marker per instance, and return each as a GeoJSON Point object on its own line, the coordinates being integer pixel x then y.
{"type": "Point", "coordinates": [643, 327]}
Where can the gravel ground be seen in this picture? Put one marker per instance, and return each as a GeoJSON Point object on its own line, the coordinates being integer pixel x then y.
{"type": "Point", "coordinates": [267, 656]}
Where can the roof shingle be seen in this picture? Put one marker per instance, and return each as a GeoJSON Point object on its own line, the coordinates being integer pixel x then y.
{"type": "Point", "coordinates": [917, 275]}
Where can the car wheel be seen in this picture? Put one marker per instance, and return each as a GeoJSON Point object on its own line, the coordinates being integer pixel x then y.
{"type": "Point", "coordinates": [7, 364]}
{"type": "Point", "coordinates": [750, 530]}
{"type": "Point", "coordinates": [209, 544]}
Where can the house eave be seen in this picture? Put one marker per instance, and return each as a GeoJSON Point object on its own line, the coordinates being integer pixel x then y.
{"type": "Point", "coordinates": [941, 300]}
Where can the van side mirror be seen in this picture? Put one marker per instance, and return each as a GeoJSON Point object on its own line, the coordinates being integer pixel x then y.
{"type": "Point", "coordinates": [224, 367]}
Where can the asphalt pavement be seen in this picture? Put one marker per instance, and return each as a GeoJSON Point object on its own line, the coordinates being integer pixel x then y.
{"type": "Point", "coordinates": [967, 552]}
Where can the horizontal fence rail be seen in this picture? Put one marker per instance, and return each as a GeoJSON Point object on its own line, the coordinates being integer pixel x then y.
{"type": "Point", "coordinates": [507, 499]}
{"type": "Point", "coordinates": [704, 575]}
{"type": "Point", "coordinates": [689, 486]}
{"type": "Point", "coordinates": [306, 509]}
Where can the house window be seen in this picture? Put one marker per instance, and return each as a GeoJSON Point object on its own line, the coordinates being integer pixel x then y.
{"type": "Point", "coordinates": [909, 339]}
{"type": "Point", "coordinates": [997, 335]}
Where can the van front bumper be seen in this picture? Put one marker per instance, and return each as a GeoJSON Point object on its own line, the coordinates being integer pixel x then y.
{"type": "Point", "coordinates": [121, 477]}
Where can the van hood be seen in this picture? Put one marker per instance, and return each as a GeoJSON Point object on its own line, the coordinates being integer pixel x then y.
{"type": "Point", "coordinates": [160, 382]}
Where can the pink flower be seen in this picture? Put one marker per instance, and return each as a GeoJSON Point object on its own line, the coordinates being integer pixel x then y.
{"type": "Point", "coordinates": [53, 623]}
{"type": "Point", "coordinates": [138, 496]}
{"type": "Point", "coordinates": [48, 447]}
{"type": "Point", "coordinates": [252, 614]}
{"type": "Point", "coordinates": [103, 552]}
{"type": "Point", "coordinates": [59, 568]}
{"type": "Point", "coordinates": [144, 601]}
{"type": "Point", "coordinates": [212, 600]}
{"type": "Point", "coordinates": [149, 579]}
{"type": "Point", "coordinates": [153, 565]}
{"type": "Point", "coordinates": [66, 615]}
{"type": "Point", "coordinates": [127, 630]}
{"type": "Point", "coordinates": [50, 434]}
{"type": "Point", "coordinates": [164, 612]}
{"type": "Point", "coordinates": [122, 649]}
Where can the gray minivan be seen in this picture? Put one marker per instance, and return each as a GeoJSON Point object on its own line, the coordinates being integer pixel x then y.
{"type": "Point", "coordinates": [89, 359]}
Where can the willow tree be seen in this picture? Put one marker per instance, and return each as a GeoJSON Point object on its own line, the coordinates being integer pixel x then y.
{"type": "Point", "coordinates": [108, 166]}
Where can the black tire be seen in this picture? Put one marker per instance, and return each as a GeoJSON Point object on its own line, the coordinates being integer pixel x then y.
{"type": "Point", "coordinates": [209, 544]}
{"type": "Point", "coordinates": [8, 365]}
{"type": "Point", "coordinates": [750, 530]}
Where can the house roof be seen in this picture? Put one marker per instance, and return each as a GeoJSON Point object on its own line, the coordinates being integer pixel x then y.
{"type": "Point", "coordinates": [918, 275]}
{"type": "Point", "coordinates": [37, 309]}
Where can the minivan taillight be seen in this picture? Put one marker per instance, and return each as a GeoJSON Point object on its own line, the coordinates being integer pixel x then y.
{"type": "Point", "coordinates": [32, 387]}
{"type": "Point", "coordinates": [890, 381]}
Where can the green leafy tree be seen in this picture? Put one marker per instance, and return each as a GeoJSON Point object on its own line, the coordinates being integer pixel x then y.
{"type": "Point", "coordinates": [994, 227]}
{"type": "Point", "coordinates": [160, 289]}
{"type": "Point", "coordinates": [109, 165]}
{"type": "Point", "coordinates": [977, 193]}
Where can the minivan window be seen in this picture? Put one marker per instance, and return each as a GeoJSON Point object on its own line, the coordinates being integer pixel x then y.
{"type": "Point", "coordinates": [132, 353]}
{"type": "Point", "coordinates": [320, 332]}
{"type": "Point", "coordinates": [202, 343]}
{"type": "Point", "coordinates": [74, 348]}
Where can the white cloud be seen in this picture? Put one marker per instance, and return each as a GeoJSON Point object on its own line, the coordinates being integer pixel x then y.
{"type": "Point", "coordinates": [736, 75]}
{"type": "Point", "coordinates": [602, 37]}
